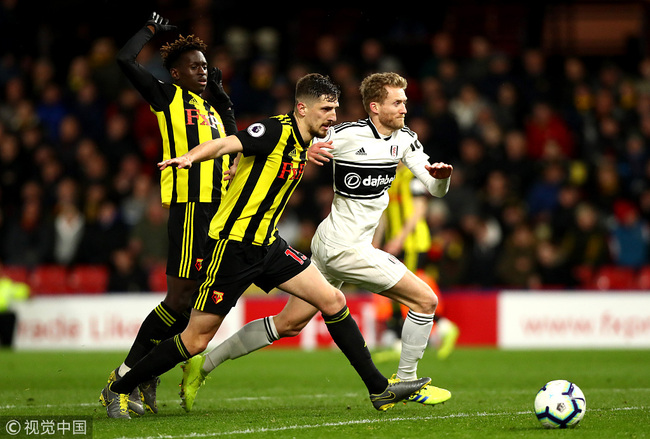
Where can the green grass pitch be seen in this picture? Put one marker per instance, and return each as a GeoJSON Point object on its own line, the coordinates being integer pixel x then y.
{"type": "Point", "coordinates": [278, 393]}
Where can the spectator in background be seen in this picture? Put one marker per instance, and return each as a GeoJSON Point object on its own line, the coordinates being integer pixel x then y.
{"type": "Point", "coordinates": [508, 107]}
{"type": "Point", "coordinates": [69, 222]}
{"type": "Point", "coordinates": [517, 263]}
{"type": "Point", "coordinates": [466, 107]}
{"type": "Point", "coordinates": [499, 72]}
{"type": "Point", "coordinates": [546, 132]}
{"type": "Point", "coordinates": [442, 49]}
{"type": "Point", "coordinates": [443, 127]}
{"type": "Point", "coordinates": [146, 239]}
{"type": "Point", "coordinates": [133, 206]}
{"type": "Point", "coordinates": [563, 218]}
{"type": "Point", "coordinates": [484, 238]}
{"type": "Point", "coordinates": [629, 236]}
{"type": "Point", "coordinates": [517, 164]}
{"type": "Point", "coordinates": [476, 66]}
{"type": "Point", "coordinates": [105, 234]}
{"type": "Point", "coordinates": [632, 163]}
{"type": "Point", "coordinates": [607, 186]}
{"type": "Point", "coordinates": [14, 167]}
{"type": "Point", "coordinates": [125, 274]}
{"type": "Point", "coordinates": [587, 243]}
{"type": "Point", "coordinates": [552, 269]}
{"type": "Point", "coordinates": [473, 161]}
{"type": "Point", "coordinates": [14, 96]}
{"type": "Point", "coordinates": [51, 110]}
{"type": "Point", "coordinates": [542, 198]}
{"type": "Point", "coordinates": [118, 141]}
{"type": "Point", "coordinates": [537, 82]}
{"type": "Point", "coordinates": [28, 237]}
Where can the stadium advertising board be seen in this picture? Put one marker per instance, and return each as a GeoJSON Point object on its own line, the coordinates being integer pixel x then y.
{"type": "Point", "coordinates": [573, 320]}
{"type": "Point", "coordinates": [103, 322]}
{"type": "Point", "coordinates": [511, 320]}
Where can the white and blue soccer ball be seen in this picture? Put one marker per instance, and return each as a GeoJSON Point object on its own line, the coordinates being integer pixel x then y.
{"type": "Point", "coordinates": [560, 404]}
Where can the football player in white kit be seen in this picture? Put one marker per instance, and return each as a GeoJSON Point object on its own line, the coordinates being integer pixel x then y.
{"type": "Point", "coordinates": [365, 155]}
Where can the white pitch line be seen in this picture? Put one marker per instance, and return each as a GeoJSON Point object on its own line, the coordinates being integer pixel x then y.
{"type": "Point", "coordinates": [356, 422]}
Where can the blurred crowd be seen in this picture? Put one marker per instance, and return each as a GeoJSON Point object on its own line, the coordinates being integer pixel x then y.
{"type": "Point", "coordinates": [550, 153]}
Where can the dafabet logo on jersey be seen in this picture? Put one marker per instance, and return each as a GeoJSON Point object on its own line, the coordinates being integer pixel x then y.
{"type": "Point", "coordinates": [217, 296]}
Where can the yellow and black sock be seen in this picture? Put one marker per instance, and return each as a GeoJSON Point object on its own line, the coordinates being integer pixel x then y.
{"type": "Point", "coordinates": [161, 323]}
{"type": "Point", "coordinates": [348, 338]}
{"type": "Point", "coordinates": [160, 360]}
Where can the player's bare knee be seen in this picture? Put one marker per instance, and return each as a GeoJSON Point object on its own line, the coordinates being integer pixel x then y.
{"type": "Point", "coordinates": [427, 303]}
{"type": "Point", "coordinates": [197, 344]}
{"type": "Point", "coordinates": [339, 301]}
{"type": "Point", "coordinates": [335, 302]}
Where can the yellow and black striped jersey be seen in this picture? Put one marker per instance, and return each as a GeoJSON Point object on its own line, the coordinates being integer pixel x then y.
{"type": "Point", "coordinates": [271, 166]}
{"type": "Point", "coordinates": [400, 208]}
{"type": "Point", "coordinates": [186, 122]}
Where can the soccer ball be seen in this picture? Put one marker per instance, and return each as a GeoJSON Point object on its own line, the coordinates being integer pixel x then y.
{"type": "Point", "coordinates": [560, 404]}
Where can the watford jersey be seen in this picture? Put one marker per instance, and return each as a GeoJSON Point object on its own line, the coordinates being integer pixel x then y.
{"type": "Point", "coordinates": [404, 190]}
{"type": "Point", "coordinates": [186, 122]}
{"type": "Point", "coordinates": [364, 167]}
{"type": "Point", "coordinates": [272, 164]}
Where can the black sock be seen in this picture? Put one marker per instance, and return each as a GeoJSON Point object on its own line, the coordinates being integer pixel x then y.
{"type": "Point", "coordinates": [348, 338]}
{"type": "Point", "coordinates": [161, 359]}
{"type": "Point", "coordinates": [161, 323]}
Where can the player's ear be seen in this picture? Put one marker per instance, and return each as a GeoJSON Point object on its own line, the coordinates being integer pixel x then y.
{"type": "Point", "coordinates": [374, 107]}
{"type": "Point", "coordinates": [301, 108]}
{"type": "Point", "coordinates": [174, 73]}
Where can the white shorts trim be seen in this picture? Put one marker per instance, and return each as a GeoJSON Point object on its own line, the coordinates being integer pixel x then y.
{"type": "Point", "coordinates": [363, 265]}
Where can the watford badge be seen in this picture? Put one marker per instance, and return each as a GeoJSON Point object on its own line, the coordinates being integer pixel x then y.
{"type": "Point", "coordinates": [217, 296]}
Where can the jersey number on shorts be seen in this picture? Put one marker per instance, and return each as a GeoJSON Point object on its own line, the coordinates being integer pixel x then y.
{"type": "Point", "coordinates": [300, 258]}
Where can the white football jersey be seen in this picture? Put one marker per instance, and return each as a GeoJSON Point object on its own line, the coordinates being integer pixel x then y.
{"type": "Point", "coordinates": [364, 167]}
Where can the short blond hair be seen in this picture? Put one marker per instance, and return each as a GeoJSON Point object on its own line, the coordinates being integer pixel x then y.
{"type": "Point", "coordinates": [373, 87]}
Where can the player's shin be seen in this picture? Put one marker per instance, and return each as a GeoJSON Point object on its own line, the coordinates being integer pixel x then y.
{"type": "Point", "coordinates": [348, 338]}
{"type": "Point", "coordinates": [415, 337]}
{"type": "Point", "coordinates": [161, 324]}
{"type": "Point", "coordinates": [251, 337]}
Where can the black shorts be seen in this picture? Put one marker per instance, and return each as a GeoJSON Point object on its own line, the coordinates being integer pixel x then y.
{"type": "Point", "coordinates": [230, 267]}
{"type": "Point", "coordinates": [187, 230]}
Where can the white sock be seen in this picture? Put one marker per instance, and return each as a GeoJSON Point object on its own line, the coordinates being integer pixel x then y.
{"type": "Point", "coordinates": [123, 370]}
{"type": "Point", "coordinates": [251, 337]}
{"type": "Point", "coordinates": [415, 337]}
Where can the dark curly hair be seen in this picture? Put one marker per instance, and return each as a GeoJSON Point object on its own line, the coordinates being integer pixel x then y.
{"type": "Point", "coordinates": [172, 51]}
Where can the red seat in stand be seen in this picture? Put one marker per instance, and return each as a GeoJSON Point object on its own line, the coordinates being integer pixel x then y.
{"type": "Point", "coordinates": [611, 277]}
{"type": "Point", "coordinates": [90, 279]}
{"type": "Point", "coordinates": [49, 279]}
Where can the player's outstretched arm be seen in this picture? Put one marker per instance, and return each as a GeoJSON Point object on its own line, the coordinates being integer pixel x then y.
{"type": "Point", "coordinates": [149, 86]}
{"type": "Point", "coordinates": [211, 149]}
